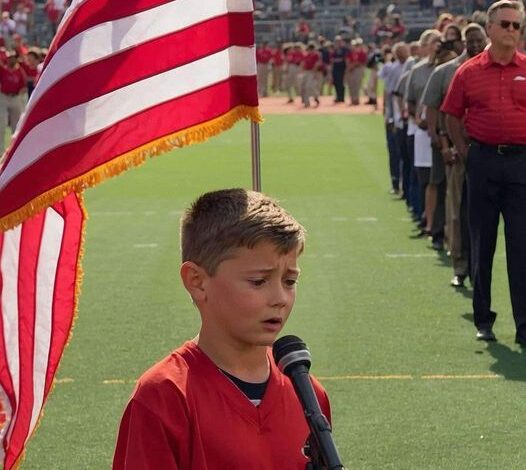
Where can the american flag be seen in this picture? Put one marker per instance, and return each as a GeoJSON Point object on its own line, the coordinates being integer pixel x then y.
{"type": "Point", "coordinates": [123, 81]}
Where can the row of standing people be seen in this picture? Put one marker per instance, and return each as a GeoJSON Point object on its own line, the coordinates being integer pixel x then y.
{"type": "Point", "coordinates": [454, 119]}
{"type": "Point", "coordinates": [304, 72]}
{"type": "Point", "coordinates": [19, 70]}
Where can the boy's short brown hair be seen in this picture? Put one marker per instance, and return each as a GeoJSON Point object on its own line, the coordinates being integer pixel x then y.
{"type": "Point", "coordinates": [218, 222]}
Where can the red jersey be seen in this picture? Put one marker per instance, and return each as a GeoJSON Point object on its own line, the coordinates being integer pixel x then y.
{"type": "Point", "coordinates": [491, 98]}
{"type": "Point", "coordinates": [186, 414]}
{"type": "Point", "coordinates": [263, 55]}
{"type": "Point", "coordinates": [12, 81]}
{"type": "Point", "coordinates": [31, 72]}
{"type": "Point", "coordinates": [357, 56]}
{"type": "Point", "coordinates": [295, 57]}
{"type": "Point", "coordinates": [310, 60]}
{"type": "Point", "coordinates": [7, 5]}
{"type": "Point", "coordinates": [29, 4]}
{"type": "Point", "coordinates": [277, 57]}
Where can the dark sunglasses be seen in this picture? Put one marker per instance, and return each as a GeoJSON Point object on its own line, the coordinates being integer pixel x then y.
{"type": "Point", "coordinates": [505, 24]}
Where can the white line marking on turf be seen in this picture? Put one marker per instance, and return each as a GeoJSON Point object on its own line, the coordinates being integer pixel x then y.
{"type": "Point", "coordinates": [406, 219]}
{"type": "Point", "coordinates": [145, 245]}
{"type": "Point", "coordinates": [149, 212]}
{"type": "Point", "coordinates": [413, 377]}
{"type": "Point", "coordinates": [411, 255]}
{"type": "Point", "coordinates": [367, 219]}
{"type": "Point", "coordinates": [111, 213]}
{"type": "Point", "coordinates": [65, 380]}
{"type": "Point", "coordinates": [175, 213]}
{"type": "Point", "coordinates": [471, 377]}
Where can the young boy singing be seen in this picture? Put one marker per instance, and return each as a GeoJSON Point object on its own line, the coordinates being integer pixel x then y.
{"type": "Point", "coordinates": [219, 402]}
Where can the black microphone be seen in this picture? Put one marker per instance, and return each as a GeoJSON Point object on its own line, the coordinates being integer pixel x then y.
{"type": "Point", "coordinates": [293, 358]}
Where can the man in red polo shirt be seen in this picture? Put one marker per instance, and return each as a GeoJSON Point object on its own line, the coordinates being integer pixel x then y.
{"type": "Point", "coordinates": [12, 88]}
{"type": "Point", "coordinates": [488, 93]}
{"type": "Point", "coordinates": [310, 77]}
{"type": "Point", "coordinates": [263, 58]}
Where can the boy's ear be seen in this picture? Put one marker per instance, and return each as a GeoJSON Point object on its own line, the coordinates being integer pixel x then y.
{"type": "Point", "coordinates": [193, 277]}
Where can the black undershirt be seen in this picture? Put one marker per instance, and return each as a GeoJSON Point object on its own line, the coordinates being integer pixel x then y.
{"type": "Point", "coordinates": [253, 391]}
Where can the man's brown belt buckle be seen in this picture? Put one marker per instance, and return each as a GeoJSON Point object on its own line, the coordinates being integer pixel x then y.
{"type": "Point", "coordinates": [501, 149]}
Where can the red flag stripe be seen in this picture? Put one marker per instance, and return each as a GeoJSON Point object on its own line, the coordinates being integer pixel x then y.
{"type": "Point", "coordinates": [49, 248]}
{"type": "Point", "coordinates": [135, 64]}
{"type": "Point", "coordinates": [101, 113]}
{"type": "Point", "coordinates": [86, 14]}
{"type": "Point", "coordinates": [29, 248]}
{"type": "Point", "coordinates": [127, 135]}
{"type": "Point", "coordinates": [94, 12]}
{"type": "Point", "coordinates": [66, 283]}
{"type": "Point", "coordinates": [108, 39]}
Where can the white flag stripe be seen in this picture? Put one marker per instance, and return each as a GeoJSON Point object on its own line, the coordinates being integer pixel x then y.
{"type": "Point", "coordinates": [9, 263]}
{"type": "Point", "coordinates": [100, 113]}
{"type": "Point", "coordinates": [49, 255]}
{"type": "Point", "coordinates": [107, 39]}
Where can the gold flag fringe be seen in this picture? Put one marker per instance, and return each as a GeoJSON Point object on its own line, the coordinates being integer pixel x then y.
{"type": "Point", "coordinates": [134, 158]}
{"type": "Point", "coordinates": [78, 286]}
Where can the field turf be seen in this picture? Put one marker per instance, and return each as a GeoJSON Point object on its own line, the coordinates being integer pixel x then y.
{"type": "Point", "coordinates": [391, 341]}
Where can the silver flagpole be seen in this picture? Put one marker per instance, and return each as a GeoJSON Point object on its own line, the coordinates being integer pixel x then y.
{"type": "Point", "coordinates": [256, 156]}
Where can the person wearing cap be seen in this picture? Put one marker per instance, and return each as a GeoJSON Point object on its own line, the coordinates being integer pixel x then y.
{"type": "Point", "coordinates": [356, 61]}
{"type": "Point", "coordinates": [12, 89]}
{"type": "Point", "coordinates": [487, 99]}
{"type": "Point", "coordinates": [309, 81]}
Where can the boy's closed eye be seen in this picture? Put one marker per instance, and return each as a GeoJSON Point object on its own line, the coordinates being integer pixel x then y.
{"type": "Point", "coordinates": [290, 282]}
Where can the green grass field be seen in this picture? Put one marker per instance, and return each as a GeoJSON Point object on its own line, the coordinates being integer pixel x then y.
{"type": "Point", "coordinates": [391, 341]}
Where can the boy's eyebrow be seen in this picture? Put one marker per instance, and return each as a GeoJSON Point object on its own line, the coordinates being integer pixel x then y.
{"type": "Point", "coordinates": [269, 270]}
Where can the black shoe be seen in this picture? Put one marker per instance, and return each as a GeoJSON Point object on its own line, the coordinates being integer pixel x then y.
{"type": "Point", "coordinates": [290, 101]}
{"type": "Point", "coordinates": [458, 281]}
{"type": "Point", "coordinates": [421, 234]}
{"type": "Point", "coordinates": [437, 245]}
{"type": "Point", "coordinates": [485, 334]}
{"type": "Point", "coordinates": [317, 101]}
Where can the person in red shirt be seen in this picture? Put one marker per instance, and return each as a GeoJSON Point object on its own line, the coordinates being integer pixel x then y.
{"type": "Point", "coordinates": [487, 98]}
{"type": "Point", "coordinates": [310, 80]}
{"type": "Point", "coordinates": [293, 60]}
{"type": "Point", "coordinates": [356, 62]}
{"type": "Point", "coordinates": [263, 58]}
{"type": "Point", "coordinates": [30, 66]}
{"type": "Point", "coordinates": [12, 95]}
{"type": "Point", "coordinates": [278, 61]}
{"type": "Point", "coordinates": [219, 402]}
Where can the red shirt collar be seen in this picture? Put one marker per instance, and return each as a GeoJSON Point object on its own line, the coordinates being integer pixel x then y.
{"type": "Point", "coordinates": [486, 60]}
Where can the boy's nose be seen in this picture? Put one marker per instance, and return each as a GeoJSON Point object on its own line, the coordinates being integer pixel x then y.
{"type": "Point", "coordinates": [280, 295]}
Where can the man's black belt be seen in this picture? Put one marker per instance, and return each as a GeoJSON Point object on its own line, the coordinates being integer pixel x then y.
{"type": "Point", "coordinates": [500, 149]}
